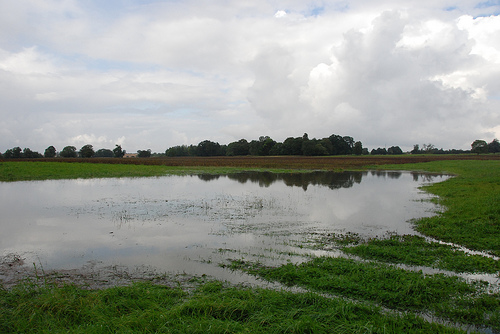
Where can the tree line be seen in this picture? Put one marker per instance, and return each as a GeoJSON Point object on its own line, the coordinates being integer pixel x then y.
{"type": "Point", "coordinates": [87, 151]}
{"type": "Point", "coordinates": [264, 146]}
{"type": "Point", "coordinates": [333, 145]}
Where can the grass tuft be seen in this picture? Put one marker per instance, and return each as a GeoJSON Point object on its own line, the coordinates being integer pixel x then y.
{"type": "Point", "coordinates": [450, 297]}
{"type": "Point", "coordinates": [414, 250]}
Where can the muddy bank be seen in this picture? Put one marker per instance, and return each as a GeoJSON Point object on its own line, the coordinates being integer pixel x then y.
{"type": "Point", "coordinates": [14, 270]}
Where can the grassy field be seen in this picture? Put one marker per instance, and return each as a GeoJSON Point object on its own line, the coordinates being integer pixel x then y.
{"type": "Point", "coordinates": [448, 297]}
{"type": "Point", "coordinates": [212, 308]}
{"type": "Point", "coordinates": [472, 204]}
{"type": "Point", "coordinates": [341, 295]}
{"type": "Point", "coordinates": [42, 169]}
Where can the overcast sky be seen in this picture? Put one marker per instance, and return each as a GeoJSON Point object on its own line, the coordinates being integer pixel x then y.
{"type": "Point", "coordinates": [151, 74]}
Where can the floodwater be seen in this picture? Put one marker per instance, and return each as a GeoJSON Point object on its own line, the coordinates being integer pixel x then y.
{"type": "Point", "coordinates": [190, 224]}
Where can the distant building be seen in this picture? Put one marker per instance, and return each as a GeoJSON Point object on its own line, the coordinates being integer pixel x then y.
{"type": "Point", "coordinates": [130, 155]}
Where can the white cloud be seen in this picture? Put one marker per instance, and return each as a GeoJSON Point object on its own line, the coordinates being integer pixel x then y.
{"type": "Point", "coordinates": [280, 14]}
{"type": "Point", "coordinates": [153, 74]}
{"type": "Point", "coordinates": [89, 138]}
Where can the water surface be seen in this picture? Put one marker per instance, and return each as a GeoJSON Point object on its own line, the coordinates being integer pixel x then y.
{"type": "Point", "coordinates": [192, 223]}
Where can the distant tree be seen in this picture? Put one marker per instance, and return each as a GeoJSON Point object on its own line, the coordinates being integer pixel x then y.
{"type": "Point", "coordinates": [327, 144]}
{"type": "Point", "coordinates": [277, 149]}
{"type": "Point", "coordinates": [118, 152]}
{"type": "Point", "coordinates": [193, 150]}
{"type": "Point", "coordinates": [266, 145]}
{"type": "Point", "coordinates": [50, 152]}
{"type": "Point", "coordinates": [13, 153]}
{"type": "Point", "coordinates": [223, 150]}
{"type": "Point", "coordinates": [87, 151]}
{"type": "Point", "coordinates": [17, 152]}
{"type": "Point", "coordinates": [494, 146]}
{"type": "Point", "coordinates": [349, 143]}
{"type": "Point", "coordinates": [379, 151]}
{"type": "Point", "coordinates": [7, 154]}
{"type": "Point", "coordinates": [263, 146]}
{"type": "Point", "coordinates": [394, 150]}
{"type": "Point", "coordinates": [28, 153]}
{"type": "Point", "coordinates": [240, 147]}
{"type": "Point", "coordinates": [479, 146]}
{"type": "Point", "coordinates": [254, 147]}
{"type": "Point", "coordinates": [103, 153]}
{"type": "Point", "coordinates": [292, 146]}
{"type": "Point", "coordinates": [313, 147]}
{"type": "Point", "coordinates": [341, 145]}
{"type": "Point", "coordinates": [209, 148]}
{"type": "Point", "coordinates": [358, 148]}
{"type": "Point", "coordinates": [416, 149]}
{"type": "Point", "coordinates": [68, 152]}
{"type": "Point", "coordinates": [177, 151]}
{"type": "Point", "coordinates": [428, 148]}
{"type": "Point", "coordinates": [144, 154]}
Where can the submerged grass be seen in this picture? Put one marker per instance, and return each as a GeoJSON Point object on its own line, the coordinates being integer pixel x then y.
{"type": "Point", "coordinates": [212, 308]}
{"type": "Point", "coordinates": [416, 251]}
{"type": "Point", "coordinates": [445, 296]}
{"type": "Point", "coordinates": [471, 202]}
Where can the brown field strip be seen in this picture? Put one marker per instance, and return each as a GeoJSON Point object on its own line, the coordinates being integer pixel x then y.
{"type": "Point", "coordinates": [277, 162]}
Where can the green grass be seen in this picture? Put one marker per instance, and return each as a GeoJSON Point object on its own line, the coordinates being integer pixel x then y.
{"type": "Point", "coordinates": [416, 251]}
{"type": "Point", "coordinates": [446, 296]}
{"type": "Point", "coordinates": [471, 200]}
{"type": "Point", "coordinates": [25, 171]}
{"type": "Point", "coordinates": [212, 308]}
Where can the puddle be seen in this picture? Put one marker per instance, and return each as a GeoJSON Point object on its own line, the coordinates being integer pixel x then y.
{"type": "Point", "coordinates": [187, 224]}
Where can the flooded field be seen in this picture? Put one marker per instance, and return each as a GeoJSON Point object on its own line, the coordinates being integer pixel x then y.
{"type": "Point", "coordinates": [190, 224]}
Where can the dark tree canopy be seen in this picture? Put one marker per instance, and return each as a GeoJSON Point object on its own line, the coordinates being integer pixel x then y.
{"type": "Point", "coordinates": [50, 152]}
{"type": "Point", "coordinates": [17, 153]}
{"type": "Point", "coordinates": [494, 146]}
{"type": "Point", "coordinates": [394, 150]}
{"type": "Point", "coordinates": [379, 151]}
{"type": "Point", "coordinates": [87, 151]}
{"type": "Point", "coordinates": [265, 145]}
{"type": "Point", "coordinates": [292, 146]}
{"type": "Point", "coordinates": [208, 148]}
{"type": "Point", "coordinates": [27, 153]}
{"type": "Point", "coordinates": [341, 145]}
{"type": "Point", "coordinates": [144, 153]}
{"type": "Point", "coordinates": [13, 153]}
{"type": "Point", "coordinates": [103, 153]}
{"type": "Point", "coordinates": [313, 147]}
{"type": "Point", "coordinates": [358, 148]}
{"type": "Point", "coordinates": [118, 152]}
{"type": "Point", "coordinates": [177, 151]}
{"type": "Point", "coordinates": [68, 152]}
{"type": "Point", "coordinates": [479, 146]}
{"type": "Point", "coordinates": [240, 147]}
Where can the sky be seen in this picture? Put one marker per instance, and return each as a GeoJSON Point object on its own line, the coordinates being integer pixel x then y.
{"type": "Point", "coordinates": [148, 74]}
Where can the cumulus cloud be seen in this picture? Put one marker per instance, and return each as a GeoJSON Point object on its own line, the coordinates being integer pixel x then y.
{"type": "Point", "coordinates": [148, 74]}
{"type": "Point", "coordinates": [397, 78]}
